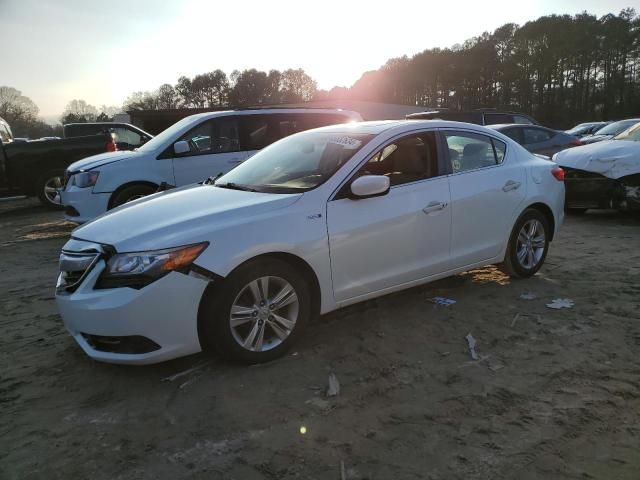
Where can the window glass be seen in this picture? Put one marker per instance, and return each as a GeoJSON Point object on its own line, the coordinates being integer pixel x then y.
{"type": "Point", "coordinates": [258, 132]}
{"type": "Point", "coordinates": [535, 135]}
{"type": "Point", "coordinates": [469, 151]}
{"type": "Point", "coordinates": [499, 149]}
{"type": "Point", "coordinates": [632, 134]}
{"type": "Point", "coordinates": [219, 135]}
{"type": "Point", "coordinates": [497, 118]}
{"type": "Point", "coordinates": [296, 164]}
{"type": "Point", "coordinates": [407, 160]}
{"type": "Point", "coordinates": [124, 135]}
{"type": "Point", "coordinates": [522, 120]}
{"type": "Point", "coordinates": [4, 134]}
{"type": "Point", "coordinates": [513, 133]}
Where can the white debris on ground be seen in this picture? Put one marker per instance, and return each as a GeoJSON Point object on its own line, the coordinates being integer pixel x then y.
{"type": "Point", "coordinates": [559, 303]}
{"type": "Point", "coordinates": [333, 389]}
{"type": "Point", "coordinates": [472, 346]}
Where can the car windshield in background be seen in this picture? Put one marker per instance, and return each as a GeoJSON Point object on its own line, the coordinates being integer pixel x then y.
{"type": "Point", "coordinates": [631, 134]}
{"type": "Point", "coordinates": [616, 127]}
{"type": "Point", "coordinates": [295, 164]}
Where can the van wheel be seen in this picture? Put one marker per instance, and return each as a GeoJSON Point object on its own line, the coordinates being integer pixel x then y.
{"type": "Point", "coordinates": [257, 313]}
{"type": "Point", "coordinates": [528, 245]}
{"type": "Point", "coordinates": [131, 193]}
{"type": "Point", "coordinates": [47, 187]}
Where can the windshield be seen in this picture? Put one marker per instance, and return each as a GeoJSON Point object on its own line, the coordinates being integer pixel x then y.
{"type": "Point", "coordinates": [616, 127]}
{"type": "Point", "coordinates": [295, 164]}
{"type": "Point", "coordinates": [631, 134]}
{"type": "Point", "coordinates": [165, 136]}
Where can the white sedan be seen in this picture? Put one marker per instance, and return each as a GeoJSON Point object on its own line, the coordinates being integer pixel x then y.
{"type": "Point", "coordinates": [317, 221]}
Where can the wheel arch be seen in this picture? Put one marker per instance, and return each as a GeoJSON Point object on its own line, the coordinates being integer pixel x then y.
{"type": "Point", "coordinates": [127, 185]}
{"type": "Point", "coordinates": [293, 260]}
{"type": "Point", "coordinates": [548, 214]}
{"type": "Point", "coordinates": [297, 262]}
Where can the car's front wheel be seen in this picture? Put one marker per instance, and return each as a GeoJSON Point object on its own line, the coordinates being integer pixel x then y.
{"type": "Point", "coordinates": [528, 244]}
{"type": "Point", "coordinates": [257, 313]}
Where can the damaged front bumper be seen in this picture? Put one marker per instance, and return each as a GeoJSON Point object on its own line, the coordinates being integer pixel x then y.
{"type": "Point", "coordinates": [593, 190]}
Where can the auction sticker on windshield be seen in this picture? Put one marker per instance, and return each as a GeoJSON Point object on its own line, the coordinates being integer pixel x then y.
{"type": "Point", "coordinates": [347, 142]}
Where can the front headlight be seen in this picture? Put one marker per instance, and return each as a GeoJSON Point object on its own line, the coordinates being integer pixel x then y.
{"type": "Point", "coordinates": [85, 179]}
{"type": "Point", "coordinates": [139, 269]}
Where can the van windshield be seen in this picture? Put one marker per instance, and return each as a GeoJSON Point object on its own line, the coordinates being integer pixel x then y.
{"type": "Point", "coordinates": [295, 164]}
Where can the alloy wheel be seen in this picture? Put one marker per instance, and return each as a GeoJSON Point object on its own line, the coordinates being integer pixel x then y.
{"type": "Point", "coordinates": [264, 313]}
{"type": "Point", "coordinates": [531, 244]}
{"type": "Point", "coordinates": [51, 187]}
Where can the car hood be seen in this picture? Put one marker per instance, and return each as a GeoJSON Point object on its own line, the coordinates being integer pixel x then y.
{"type": "Point", "coordinates": [101, 159]}
{"type": "Point", "coordinates": [611, 158]}
{"type": "Point", "coordinates": [178, 217]}
{"type": "Point", "coordinates": [596, 138]}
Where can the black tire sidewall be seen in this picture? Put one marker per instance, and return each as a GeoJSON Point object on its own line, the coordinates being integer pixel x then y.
{"type": "Point", "coordinates": [213, 319]}
{"type": "Point", "coordinates": [123, 195]}
{"type": "Point", "coordinates": [527, 215]}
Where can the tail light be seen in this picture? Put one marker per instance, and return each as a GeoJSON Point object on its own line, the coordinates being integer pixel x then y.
{"type": "Point", "coordinates": [558, 173]}
{"type": "Point", "coordinates": [112, 146]}
{"type": "Point", "coordinates": [576, 142]}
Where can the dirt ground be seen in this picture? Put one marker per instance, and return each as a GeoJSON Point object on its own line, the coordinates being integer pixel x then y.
{"type": "Point", "coordinates": [554, 393]}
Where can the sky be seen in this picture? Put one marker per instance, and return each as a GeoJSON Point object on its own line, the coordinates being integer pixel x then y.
{"type": "Point", "coordinates": [58, 50]}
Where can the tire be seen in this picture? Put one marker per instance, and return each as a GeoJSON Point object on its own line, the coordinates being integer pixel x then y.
{"type": "Point", "coordinates": [130, 193]}
{"type": "Point", "coordinates": [215, 315]}
{"type": "Point", "coordinates": [45, 186]}
{"type": "Point", "coordinates": [515, 263]}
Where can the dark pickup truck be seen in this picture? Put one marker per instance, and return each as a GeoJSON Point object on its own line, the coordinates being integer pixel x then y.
{"type": "Point", "coordinates": [36, 168]}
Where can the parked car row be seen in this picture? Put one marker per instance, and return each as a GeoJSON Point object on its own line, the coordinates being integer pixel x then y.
{"type": "Point", "coordinates": [190, 151]}
{"type": "Point", "coordinates": [36, 168]}
{"type": "Point", "coordinates": [255, 221]}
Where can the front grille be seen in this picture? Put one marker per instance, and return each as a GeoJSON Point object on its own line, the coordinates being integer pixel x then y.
{"type": "Point", "coordinates": [74, 266]}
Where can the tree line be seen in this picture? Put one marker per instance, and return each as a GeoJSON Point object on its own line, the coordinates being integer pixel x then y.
{"type": "Point", "coordinates": [216, 89]}
{"type": "Point", "coordinates": [561, 69]}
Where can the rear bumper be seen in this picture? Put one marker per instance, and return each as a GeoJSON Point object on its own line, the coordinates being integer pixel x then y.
{"type": "Point", "coordinates": [82, 205]}
{"type": "Point", "coordinates": [156, 323]}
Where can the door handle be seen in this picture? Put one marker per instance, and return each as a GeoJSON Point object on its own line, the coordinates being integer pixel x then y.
{"type": "Point", "coordinates": [434, 207]}
{"type": "Point", "coordinates": [235, 160]}
{"type": "Point", "coordinates": [510, 185]}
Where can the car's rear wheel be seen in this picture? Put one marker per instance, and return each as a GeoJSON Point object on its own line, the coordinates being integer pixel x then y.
{"type": "Point", "coordinates": [257, 313]}
{"type": "Point", "coordinates": [528, 244]}
{"type": "Point", "coordinates": [47, 187]}
{"type": "Point", "coordinates": [131, 193]}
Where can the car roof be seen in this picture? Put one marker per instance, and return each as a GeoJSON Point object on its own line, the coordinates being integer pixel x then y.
{"type": "Point", "coordinates": [262, 111]}
{"type": "Point", "coordinates": [399, 126]}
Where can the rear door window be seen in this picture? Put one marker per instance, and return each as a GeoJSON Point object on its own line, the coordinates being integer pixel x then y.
{"type": "Point", "coordinates": [470, 151]}
{"type": "Point", "coordinates": [521, 119]}
{"type": "Point", "coordinates": [259, 131]}
{"type": "Point", "coordinates": [535, 135]}
{"type": "Point", "coordinates": [497, 118]}
{"type": "Point", "coordinates": [514, 134]}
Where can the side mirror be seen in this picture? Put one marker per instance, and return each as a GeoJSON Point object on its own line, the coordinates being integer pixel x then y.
{"type": "Point", "coordinates": [370, 186]}
{"type": "Point", "coordinates": [181, 147]}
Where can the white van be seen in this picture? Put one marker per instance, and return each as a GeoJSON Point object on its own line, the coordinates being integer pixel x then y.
{"type": "Point", "coordinates": [190, 151]}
